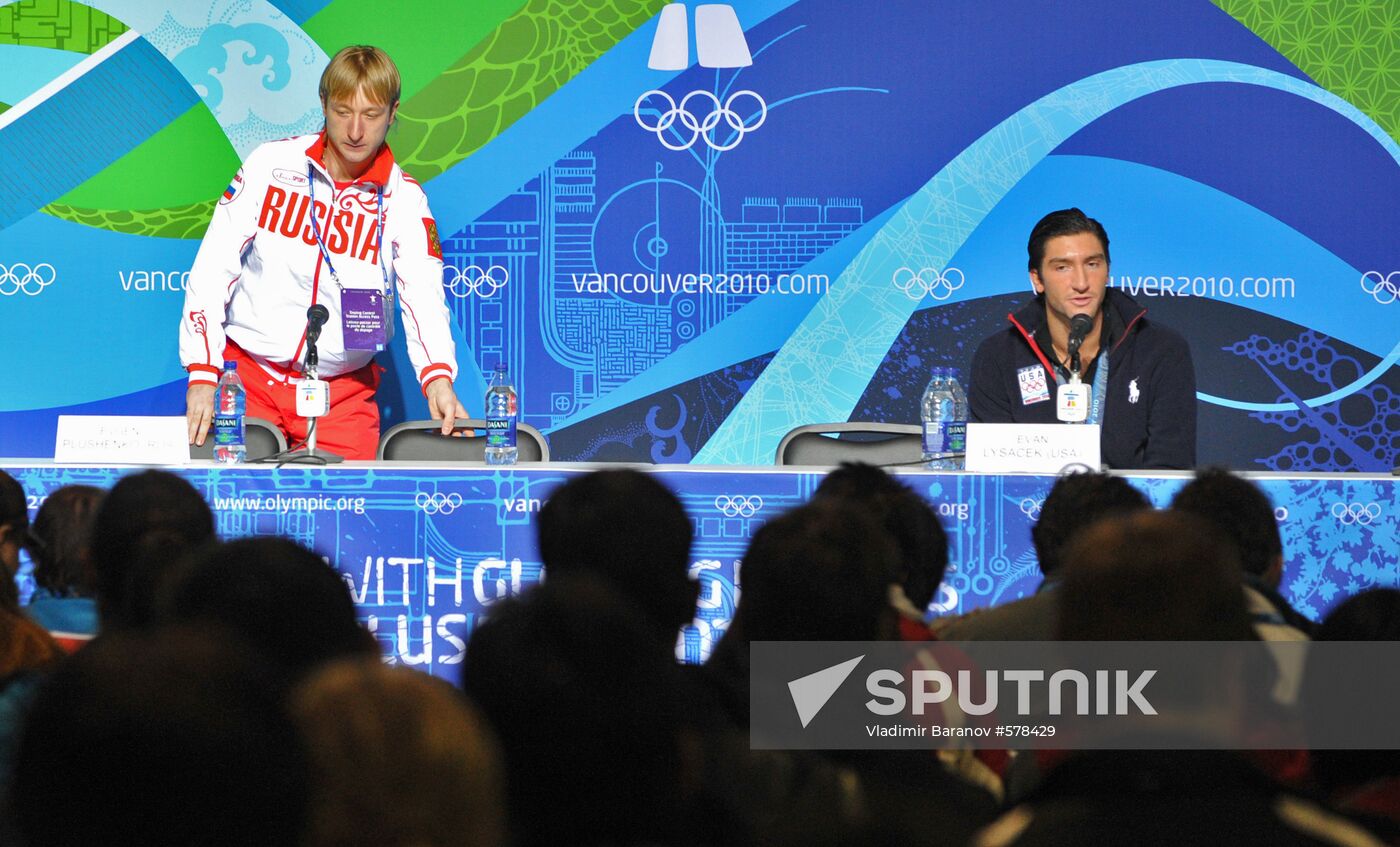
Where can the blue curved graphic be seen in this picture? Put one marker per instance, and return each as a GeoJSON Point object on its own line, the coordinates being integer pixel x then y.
{"type": "Point", "coordinates": [848, 333]}
{"type": "Point", "coordinates": [61, 141]}
{"type": "Point", "coordinates": [1320, 177]}
{"type": "Point", "coordinates": [204, 63]}
{"type": "Point", "coordinates": [1326, 399]}
{"type": "Point", "coordinates": [27, 69]}
{"type": "Point", "coordinates": [252, 103]}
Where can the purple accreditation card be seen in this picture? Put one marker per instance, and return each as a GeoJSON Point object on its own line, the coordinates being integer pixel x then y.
{"type": "Point", "coordinates": [362, 318]}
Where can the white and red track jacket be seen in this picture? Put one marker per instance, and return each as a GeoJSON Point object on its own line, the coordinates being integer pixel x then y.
{"type": "Point", "coordinates": [259, 267]}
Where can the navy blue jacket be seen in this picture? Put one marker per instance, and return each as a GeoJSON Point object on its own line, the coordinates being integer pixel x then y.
{"type": "Point", "coordinates": [1149, 416]}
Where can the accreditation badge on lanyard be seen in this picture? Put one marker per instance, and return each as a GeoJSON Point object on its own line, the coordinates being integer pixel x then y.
{"type": "Point", "coordinates": [1076, 402]}
{"type": "Point", "coordinates": [366, 314]}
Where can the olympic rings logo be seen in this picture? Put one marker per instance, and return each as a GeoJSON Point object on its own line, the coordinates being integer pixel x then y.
{"type": "Point", "coordinates": [437, 504]}
{"type": "Point", "coordinates": [1386, 289]}
{"type": "Point", "coordinates": [698, 126]}
{"type": "Point", "coordinates": [1031, 508]}
{"type": "Point", "coordinates": [927, 282]}
{"type": "Point", "coordinates": [473, 280]}
{"type": "Point", "coordinates": [1356, 513]}
{"type": "Point", "coordinates": [21, 277]}
{"type": "Point", "coordinates": [738, 507]}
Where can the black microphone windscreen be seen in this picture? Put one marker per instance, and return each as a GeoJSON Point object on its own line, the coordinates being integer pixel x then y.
{"type": "Point", "coordinates": [1079, 325]}
{"type": "Point", "coordinates": [318, 314]}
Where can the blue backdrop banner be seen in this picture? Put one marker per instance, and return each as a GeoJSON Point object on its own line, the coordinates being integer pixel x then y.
{"type": "Point", "coordinates": [427, 552]}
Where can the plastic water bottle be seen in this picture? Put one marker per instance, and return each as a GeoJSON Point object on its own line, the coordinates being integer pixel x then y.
{"type": "Point", "coordinates": [957, 430]}
{"type": "Point", "coordinates": [502, 410]}
{"type": "Point", "coordinates": [944, 413]}
{"type": "Point", "coordinates": [230, 404]}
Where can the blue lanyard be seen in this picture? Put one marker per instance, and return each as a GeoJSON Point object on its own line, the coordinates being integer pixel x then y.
{"type": "Point", "coordinates": [1100, 389]}
{"type": "Point", "coordinates": [320, 242]}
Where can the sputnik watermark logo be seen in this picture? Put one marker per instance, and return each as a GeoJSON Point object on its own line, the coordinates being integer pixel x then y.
{"type": "Point", "coordinates": [928, 687]}
{"type": "Point", "coordinates": [1119, 695]}
{"type": "Point", "coordinates": [811, 692]}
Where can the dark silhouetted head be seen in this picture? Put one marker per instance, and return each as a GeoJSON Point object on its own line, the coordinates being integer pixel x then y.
{"type": "Point", "coordinates": [1239, 509]}
{"type": "Point", "coordinates": [820, 572]}
{"type": "Point", "coordinates": [1152, 576]}
{"type": "Point", "coordinates": [144, 526]}
{"type": "Point", "coordinates": [159, 738]}
{"type": "Point", "coordinates": [14, 530]}
{"type": "Point", "coordinates": [584, 701]}
{"type": "Point", "coordinates": [58, 540]}
{"type": "Point", "coordinates": [1075, 502]}
{"type": "Point", "coordinates": [279, 596]}
{"type": "Point", "coordinates": [626, 528]}
{"type": "Point", "coordinates": [905, 516]}
{"type": "Point", "coordinates": [1372, 615]}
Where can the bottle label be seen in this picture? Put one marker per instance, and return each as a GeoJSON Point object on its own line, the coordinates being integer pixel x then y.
{"type": "Point", "coordinates": [955, 437]}
{"type": "Point", "coordinates": [942, 438]}
{"type": "Point", "coordinates": [228, 430]}
{"type": "Point", "coordinates": [500, 432]}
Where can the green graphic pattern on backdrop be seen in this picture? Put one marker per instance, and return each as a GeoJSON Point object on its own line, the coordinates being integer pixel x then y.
{"type": "Point", "coordinates": [179, 222]}
{"type": "Point", "coordinates": [60, 24]}
{"type": "Point", "coordinates": [525, 60]}
{"type": "Point", "coordinates": [1349, 47]}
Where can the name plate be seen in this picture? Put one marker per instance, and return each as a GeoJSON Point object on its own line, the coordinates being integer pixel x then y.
{"type": "Point", "coordinates": [1031, 448]}
{"type": "Point", "coordinates": [122, 440]}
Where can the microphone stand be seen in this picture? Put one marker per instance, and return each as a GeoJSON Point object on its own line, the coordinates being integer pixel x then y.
{"type": "Point", "coordinates": [309, 454]}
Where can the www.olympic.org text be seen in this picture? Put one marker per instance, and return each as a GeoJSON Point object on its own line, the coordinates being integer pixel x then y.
{"type": "Point", "coordinates": [284, 505]}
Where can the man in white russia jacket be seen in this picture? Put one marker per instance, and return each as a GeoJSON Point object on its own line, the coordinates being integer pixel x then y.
{"type": "Point", "coordinates": [305, 221]}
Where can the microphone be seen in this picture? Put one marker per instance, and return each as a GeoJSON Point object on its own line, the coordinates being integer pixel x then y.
{"type": "Point", "coordinates": [1079, 326]}
{"type": "Point", "coordinates": [316, 317]}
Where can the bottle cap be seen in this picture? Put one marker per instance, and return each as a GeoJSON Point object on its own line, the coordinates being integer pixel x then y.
{"type": "Point", "coordinates": [230, 366]}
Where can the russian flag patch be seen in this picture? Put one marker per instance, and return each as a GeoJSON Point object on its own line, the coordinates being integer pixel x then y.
{"type": "Point", "coordinates": [434, 244]}
{"type": "Point", "coordinates": [233, 190]}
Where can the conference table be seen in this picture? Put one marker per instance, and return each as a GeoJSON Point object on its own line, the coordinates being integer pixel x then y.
{"type": "Point", "coordinates": [427, 549]}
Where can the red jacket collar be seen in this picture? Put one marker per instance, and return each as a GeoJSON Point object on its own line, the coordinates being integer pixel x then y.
{"type": "Point", "coordinates": [379, 169]}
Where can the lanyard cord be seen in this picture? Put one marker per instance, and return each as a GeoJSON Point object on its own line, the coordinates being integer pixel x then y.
{"type": "Point", "coordinates": [1100, 389]}
{"type": "Point", "coordinates": [379, 237]}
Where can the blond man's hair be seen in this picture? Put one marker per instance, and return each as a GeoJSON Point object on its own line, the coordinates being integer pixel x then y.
{"type": "Point", "coordinates": [397, 757]}
{"type": "Point", "coordinates": [361, 67]}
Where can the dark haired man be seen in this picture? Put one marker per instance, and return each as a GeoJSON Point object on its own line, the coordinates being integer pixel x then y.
{"type": "Point", "coordinates": [911, 523]}
{"type": "Point", "coordinates": [1074, 502]}
{"type": "Point", "coordinates": [1242, 511]}
{"type": "Point", "coordinates": [1137, 374]}
{"type": "Point", "coordinates": [624, 527]}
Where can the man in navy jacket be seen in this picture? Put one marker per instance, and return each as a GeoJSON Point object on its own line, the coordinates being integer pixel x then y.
{"type": "Point", "coordinates": [1138, 372]}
